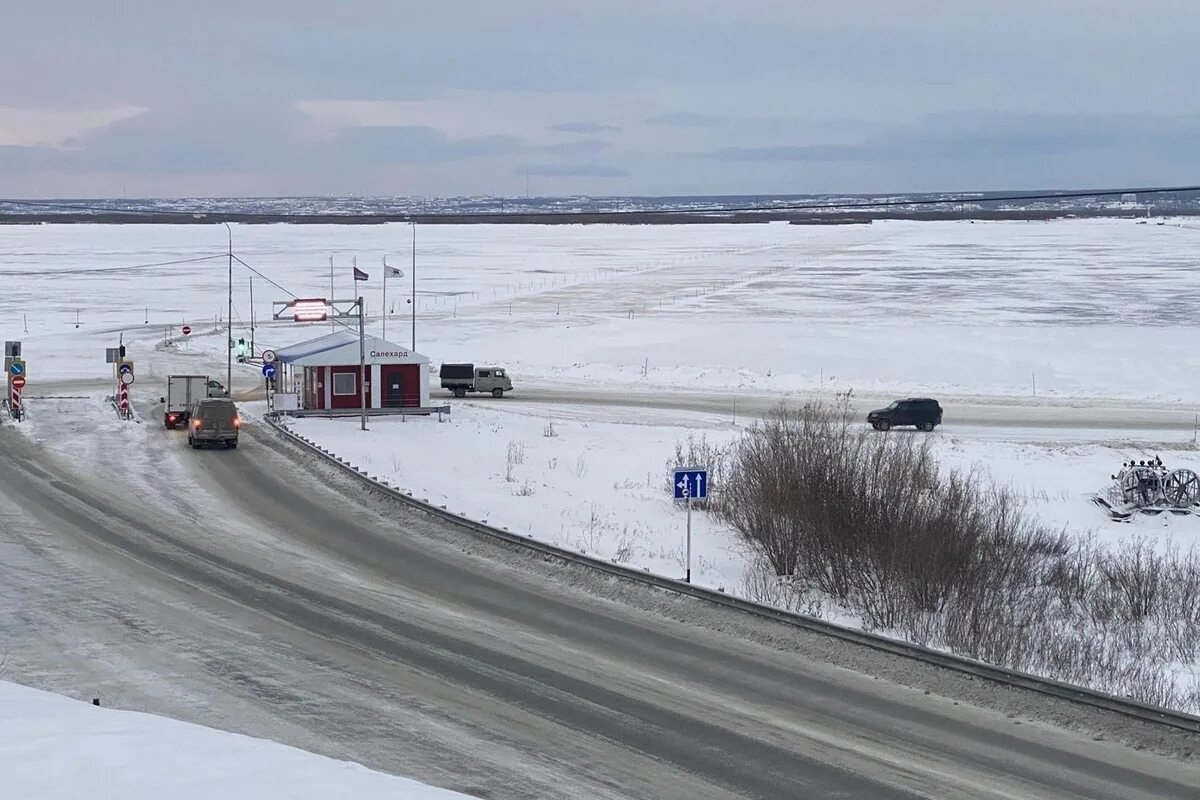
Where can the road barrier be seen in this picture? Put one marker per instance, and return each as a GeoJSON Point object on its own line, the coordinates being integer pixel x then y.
{"type": "Point", "coordinates": [897, 647]}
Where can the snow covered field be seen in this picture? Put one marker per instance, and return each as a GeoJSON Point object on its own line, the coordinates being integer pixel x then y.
{"type": "Point", "coordinates": [597, 481]}
{"type": "Point", "coordinates": [1088, 308]}
{"type": "Point", "coordinates": [56, 748]}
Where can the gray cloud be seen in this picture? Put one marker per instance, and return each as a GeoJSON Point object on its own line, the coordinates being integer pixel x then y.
{"type": "Point", "coordinates": [583, 148]}
{"type": "Point", "coordinates": [419, 144]}
{"type": "Point", "coordinates": [582, 127]}
{"type": "Point", "coordinates": [791, 95]}
{"type": "Point", "coordinates": [575, 171]}
{"type": "Point", "coordinates": [690, 119]}
{"type": "Point", "coordinates": [969, 135]}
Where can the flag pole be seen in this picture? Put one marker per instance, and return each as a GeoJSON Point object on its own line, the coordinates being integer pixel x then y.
{"type": "Point", "coordinates": [385, 306]}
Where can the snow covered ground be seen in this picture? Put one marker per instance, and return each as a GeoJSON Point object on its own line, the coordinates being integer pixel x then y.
{"type": "Point", "coordinates": [56, 748]}
{"type": "Point", "coordinates": [596, 480]}
{"type": "Point", "coordinates": [1087, 308]}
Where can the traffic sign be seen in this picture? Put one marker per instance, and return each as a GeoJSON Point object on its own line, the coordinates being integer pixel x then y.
{"type": "Point", "coordinates": [125, 369]}
{"type": "Point", "coordinates": [17, 367]}
{"type": "Point", "coordinates": [126, 378]}
{"type": "Point", "coordinates": [268, 370]}
{"type": "Point", "coordinates": [269, 356]}
{"type": "Point", "coordinates": [18, 382]}
{"type": "Point", "coordinates": [187, 329]}
{"type": "Point", "coordinates": [691, 484]}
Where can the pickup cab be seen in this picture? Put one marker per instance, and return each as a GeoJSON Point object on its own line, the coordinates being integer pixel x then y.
{"type": "Point", "coordinates": [463, 378]}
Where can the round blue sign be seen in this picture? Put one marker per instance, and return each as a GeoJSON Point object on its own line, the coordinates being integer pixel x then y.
{"type": "Point", "coordinates": [16, 368]}
{"type": "Point", "coordinates": [268, 370]}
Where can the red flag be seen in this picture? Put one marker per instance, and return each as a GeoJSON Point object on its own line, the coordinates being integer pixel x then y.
{"type": "Point", "coordinates": [359, 275]}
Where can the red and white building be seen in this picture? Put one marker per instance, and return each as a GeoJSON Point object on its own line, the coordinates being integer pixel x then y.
{"type": "Point", "coordinates": [325, 372]}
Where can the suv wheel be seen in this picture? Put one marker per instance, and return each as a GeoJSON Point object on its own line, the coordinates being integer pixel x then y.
{"type": "Point", "coordinates": [883, 425]}
{"type": "Point", "coordinates": [926, 426]}
{"type": "Point", "coordinates": [497, 392]}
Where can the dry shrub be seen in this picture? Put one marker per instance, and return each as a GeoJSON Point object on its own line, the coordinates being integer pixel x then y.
{"type": "Point", "coordinates": [948, 559]}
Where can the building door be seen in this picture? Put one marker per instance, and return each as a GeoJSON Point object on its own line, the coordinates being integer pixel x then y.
{"type": "Point", "coordinates": [401, 385]}
{"type": "Point", "coordinates": [393, 388]}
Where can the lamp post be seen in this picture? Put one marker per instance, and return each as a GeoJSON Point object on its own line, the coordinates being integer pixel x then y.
{"type": "Point", "coordinates": [229, 317]}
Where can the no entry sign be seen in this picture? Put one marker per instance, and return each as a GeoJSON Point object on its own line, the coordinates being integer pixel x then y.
{"type": "Point", "coordinates": [187, 329]}
{"type": "Point", "coordinates": [18, 382]}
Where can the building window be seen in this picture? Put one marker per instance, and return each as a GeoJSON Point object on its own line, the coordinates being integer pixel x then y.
{"type": "Point", "coordinates": [344, 384]}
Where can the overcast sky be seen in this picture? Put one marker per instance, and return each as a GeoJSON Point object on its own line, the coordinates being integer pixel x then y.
{"type": "Point", "coordinates": [436, 98]}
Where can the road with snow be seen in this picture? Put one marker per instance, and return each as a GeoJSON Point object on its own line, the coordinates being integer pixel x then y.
{"type": "Point", "coordinates": [992, 412]}
{"type": "Point", "coordinates": [258, 592]}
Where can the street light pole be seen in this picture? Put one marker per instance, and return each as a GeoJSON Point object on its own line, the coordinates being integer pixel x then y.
{"type": "Point", "coordinates": [229, 317]}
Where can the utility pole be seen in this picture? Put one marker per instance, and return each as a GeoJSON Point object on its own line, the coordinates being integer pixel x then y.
{"type": "Point", "coordinates": [252, 350]}
{"type": "Point", "coordinates": [332, 322]}
{"type": "Point", "coordinates": [229, 342]}
{"type": "Point", "coordinates": [413, 302]}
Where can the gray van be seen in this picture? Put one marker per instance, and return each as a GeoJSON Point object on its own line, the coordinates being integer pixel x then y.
{"type": "Point", "coordinates": [213, 420]}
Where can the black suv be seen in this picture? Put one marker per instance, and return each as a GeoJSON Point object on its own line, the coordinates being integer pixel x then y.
{"type": "Point", "coordinates": [922, 412]}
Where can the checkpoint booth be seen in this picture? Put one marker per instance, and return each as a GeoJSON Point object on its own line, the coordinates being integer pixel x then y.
{"type": "Point", "coordinates": [325, 373]}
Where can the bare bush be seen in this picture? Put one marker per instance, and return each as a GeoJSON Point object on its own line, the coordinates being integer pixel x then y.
{"type": "Point", "coordinates": [947, 558]}
{"type": "Point", "coordinates": [515, 457]}
{"type": "Point", "coordinates": [700, 452]}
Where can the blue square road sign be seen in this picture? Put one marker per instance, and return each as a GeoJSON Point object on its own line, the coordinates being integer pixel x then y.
{"type": "Point", "coordinates": [691, 483]}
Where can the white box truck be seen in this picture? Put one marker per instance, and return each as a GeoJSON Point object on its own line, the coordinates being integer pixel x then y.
{"type": "Point", "coordinates": [182, 391]}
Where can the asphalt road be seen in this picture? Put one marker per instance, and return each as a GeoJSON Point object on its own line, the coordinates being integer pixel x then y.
{"type": "Point", "coordinates": [237, 589]}
{"type": "Point", "coordinates": [973, 411]}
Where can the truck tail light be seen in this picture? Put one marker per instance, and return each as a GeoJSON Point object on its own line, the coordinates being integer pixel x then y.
{"type": "Point", "coordinates": [171, 417]}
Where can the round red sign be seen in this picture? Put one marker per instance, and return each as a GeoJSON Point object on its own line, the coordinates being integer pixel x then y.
{"type": "Point", "coordinates": [18, 382]}
{"type": "Point", "coordinates": [187, 329]}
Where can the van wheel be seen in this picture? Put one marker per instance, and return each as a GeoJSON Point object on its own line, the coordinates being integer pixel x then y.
{"type": "Point", "coordinates": [497, 393]}
{"type": "Point", "coordinates": [460, 392]}
{"type": "Point", "coordinates": [192, 443]}
{"type": "Point", "coordinates": [883, 425]}
{"type": "Point", "coordinates": [926, 426]}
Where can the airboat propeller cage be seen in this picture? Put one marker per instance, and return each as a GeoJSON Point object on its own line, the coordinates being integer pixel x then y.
{"type": "Point", "coordinates": [1149, 486]}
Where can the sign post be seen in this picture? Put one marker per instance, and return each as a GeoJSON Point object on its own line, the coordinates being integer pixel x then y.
{"type": "Point", "coordinates": [690, 483]}
{"type": "Point", "coordinates": [268, 371]}
{"type": "Point", "coordinates": [124, 380]}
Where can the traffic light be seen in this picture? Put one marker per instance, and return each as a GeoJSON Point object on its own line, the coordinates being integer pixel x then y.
{"type": "Point", "coordinates": [242, 349]}
{"type": "Point", "coordinates": [122, 351]}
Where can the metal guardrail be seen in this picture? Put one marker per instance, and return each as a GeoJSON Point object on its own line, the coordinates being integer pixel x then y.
{"type": "Point", "coordinates": [962, 664]}
{"type": "Point", "coordinates": [335, 413]}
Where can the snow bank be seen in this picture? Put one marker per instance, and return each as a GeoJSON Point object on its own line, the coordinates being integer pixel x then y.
{"type": "Point", "coordinates": [55, 748]}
